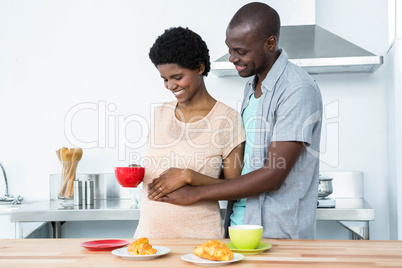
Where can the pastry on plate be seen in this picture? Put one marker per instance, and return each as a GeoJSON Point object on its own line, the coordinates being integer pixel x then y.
{"type": "Point", "coordinates": [213, 250]}
{"type": "Point", "coordinates": [141, 247]}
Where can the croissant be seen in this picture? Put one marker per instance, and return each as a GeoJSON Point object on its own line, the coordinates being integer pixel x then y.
{"type": "Point", "coordinates": [213, 250]}
{"type": "Point", "coordinates": [141, 246]}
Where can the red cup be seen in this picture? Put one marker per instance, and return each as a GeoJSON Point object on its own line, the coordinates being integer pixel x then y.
{"type": "Point", "coordinates": [129, 176]}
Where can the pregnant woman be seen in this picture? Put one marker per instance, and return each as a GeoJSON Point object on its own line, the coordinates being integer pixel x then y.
{"type": "Point", "coordinates": [197, 137]}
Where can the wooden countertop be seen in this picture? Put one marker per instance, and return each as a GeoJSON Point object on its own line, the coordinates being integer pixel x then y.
{"type": "Point", "coordinates": [284, 253]}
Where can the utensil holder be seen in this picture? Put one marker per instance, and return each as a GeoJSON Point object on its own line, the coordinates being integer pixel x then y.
{"type": "Point", "coordinates": [68, 175]}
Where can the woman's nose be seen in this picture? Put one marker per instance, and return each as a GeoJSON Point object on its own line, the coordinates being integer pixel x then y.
{"type": "Point", "coordinates": [170, 85]}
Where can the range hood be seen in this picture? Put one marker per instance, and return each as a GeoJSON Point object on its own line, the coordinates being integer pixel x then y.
{"type": "Point", "coordinates": [317, 51]}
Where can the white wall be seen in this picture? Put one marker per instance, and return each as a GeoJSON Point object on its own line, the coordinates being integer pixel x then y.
{"type": "Point", "coordinates": [362, 102]}
{"type": "Point", "coordinates": [364, 23]}
{"type": "Point", "coordinates": [362, 137]}
{"type": "Point", "coordinates": [394, 101]}
{"type": "Point", "coordinates": [56, 56]}
{"type": "Point", "coordinates": [398, 87]}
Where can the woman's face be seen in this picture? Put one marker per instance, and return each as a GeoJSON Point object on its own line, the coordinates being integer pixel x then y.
{"type": "Point", "coordinates": [183, 83]}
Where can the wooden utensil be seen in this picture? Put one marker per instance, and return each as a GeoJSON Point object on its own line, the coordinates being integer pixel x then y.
{"type": "Point", "coordinates": [64, 171]}
{"type": "Point", "coordinates": [63, 152]}
{"type": "Point", "coordinates": [70, 159]}
{"type": "Point", "coordinates": [58, 154]}
{"type": "Point", "coordinates": [66, 157]}
{"type": "Point", "coordinates": [76, 157]}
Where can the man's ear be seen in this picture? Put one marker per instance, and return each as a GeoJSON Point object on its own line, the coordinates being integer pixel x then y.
{"type": "Point", "coordinates": [270, 43]}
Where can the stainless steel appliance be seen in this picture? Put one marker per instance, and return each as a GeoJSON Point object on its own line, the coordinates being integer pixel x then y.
{"type": "Point", "coordinates": [324, 190]}
{"type": "Point", "coordinates": [317, 51]}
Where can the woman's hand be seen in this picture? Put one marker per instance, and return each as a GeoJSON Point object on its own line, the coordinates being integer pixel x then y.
{"type": "Point", "coordinates": [167, 182]}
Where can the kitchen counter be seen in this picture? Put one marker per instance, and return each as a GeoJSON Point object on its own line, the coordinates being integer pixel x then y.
{"type": "Point", "coordinates": [102, 209]}
{"type": "Point", "coordinates": [284, 253]}
{"type": "Point", "coordinates": [354, 214]}
{"type": "Point", "coordinates": [348, 209]}
{"type": "Point", "coordinates": [56, 213]}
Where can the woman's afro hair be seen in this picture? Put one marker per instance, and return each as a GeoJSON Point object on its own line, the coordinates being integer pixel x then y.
{"type": "Point", "coordinates": [181, 46]}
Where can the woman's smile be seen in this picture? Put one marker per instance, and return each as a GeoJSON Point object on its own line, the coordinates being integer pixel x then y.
{"type": "Point", "coordinates": [178, 93]}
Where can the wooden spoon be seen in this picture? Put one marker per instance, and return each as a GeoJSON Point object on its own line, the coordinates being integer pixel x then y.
{"type": "Point", "coordinates": [76, 157]}
{"type": "Point", "coordinates": [63, 156]}
{"type": "Point", "coordinates": [63, 152]}
{"type": "Point", "coordinates": [69, 154]}
{"type": "Point", "coordinates": [66, 156]}
{"type": "Point", "coordinates": [58, 154]}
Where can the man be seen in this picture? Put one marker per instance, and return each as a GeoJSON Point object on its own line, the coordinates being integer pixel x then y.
{"type": "Point", "coordinates": [281, 111]}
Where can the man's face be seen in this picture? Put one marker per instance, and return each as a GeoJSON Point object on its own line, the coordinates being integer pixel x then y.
{"type": "Point", "coordinates": [246, 51]}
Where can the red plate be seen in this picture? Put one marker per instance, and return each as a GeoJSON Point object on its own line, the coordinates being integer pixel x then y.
{"type": "Point", "coordinates": [109, 244]}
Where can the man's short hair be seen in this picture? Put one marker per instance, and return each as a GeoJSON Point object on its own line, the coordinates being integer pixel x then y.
{"type": "Point", "coordinates": [263, 20]}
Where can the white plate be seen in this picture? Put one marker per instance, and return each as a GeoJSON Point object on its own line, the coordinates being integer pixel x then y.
{"type": "Point", "coordinates": [123, 253]}
{"type": "Point", "coordinates": [205, 262]}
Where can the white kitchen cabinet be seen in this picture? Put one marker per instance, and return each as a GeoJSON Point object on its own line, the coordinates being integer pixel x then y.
{"type": "Point", "coordinates": [16, 230]}
{"type": "Point", "coordinates": [7, 229]}
{"type": "Point", "coordinates": [32, 230]}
